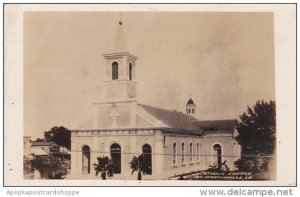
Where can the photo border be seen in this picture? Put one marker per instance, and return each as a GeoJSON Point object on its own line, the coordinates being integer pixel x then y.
{"type": "Point", "coordinates": [208, 186]}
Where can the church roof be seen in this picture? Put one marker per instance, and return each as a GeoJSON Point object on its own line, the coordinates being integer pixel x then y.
{"type": "Point", "coordinates": [174, 119]}
{"type": "Point", "coordinates": [214, 125]}
{"type": "Point", "coordinates": [190, 102]}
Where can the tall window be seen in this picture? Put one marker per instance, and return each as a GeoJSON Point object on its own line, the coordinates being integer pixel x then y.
{"type": "Point", "coordinates": [115, 155]}
{"type": "Point", "coordinates": [191, 152]}
{"type": "Point", "coordinates": [130, 71]}
{"type": "Point", "coordinates": [86, 159]}
{"type": "Point", "coordinates": [198, 152]}
{"type": "Point", "coordinates": [174, 153]}
{"type": "Point", "coordinates": [115, 71]}
{"type": "Point", "coordinates": [165, 140]}
{"type": "Point", "coordinates": [182, 152]}
{"type": "Point", "coordinates": [147, 154]}
{"type": "Point", "coordinates": [218, 155]}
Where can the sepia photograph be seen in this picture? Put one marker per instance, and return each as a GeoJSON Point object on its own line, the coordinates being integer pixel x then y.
{"type": "Point", "coordinates": [175, 96]}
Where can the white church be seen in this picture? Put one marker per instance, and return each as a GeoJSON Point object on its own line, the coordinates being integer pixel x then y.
{"type": "Point", "coordinates": [120, 127]}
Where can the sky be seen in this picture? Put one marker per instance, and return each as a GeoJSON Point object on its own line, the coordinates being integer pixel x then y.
{"type": "Point", "coordinates": [224, 61]}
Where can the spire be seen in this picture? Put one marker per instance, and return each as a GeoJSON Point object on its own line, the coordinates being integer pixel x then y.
{"type": "Point", "coordinates": [119, 41]}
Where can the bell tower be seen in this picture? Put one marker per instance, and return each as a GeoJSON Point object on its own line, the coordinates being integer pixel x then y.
{"type": "Point", "coordinates": [119, 106]}
{"type": "Point", "coordinates": [120, 82]}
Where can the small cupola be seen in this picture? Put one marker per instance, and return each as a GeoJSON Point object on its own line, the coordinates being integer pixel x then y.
{"type": "Point", "coordinates": [191, 108]}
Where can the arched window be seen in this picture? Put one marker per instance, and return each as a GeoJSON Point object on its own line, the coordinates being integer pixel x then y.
{"type": "Point", "coordinates": [115, 155]}
{"type": "Point", "coordinates": [198, 152]}
{"type": "Point", "coordinates": [130, 71]}
{"type": "Point", "coordinates": [182, 152]}
{"type": "Point", "coordinates": [218, 155]}
{"type": "Point", "coordinates": [189, 111]}
{"type": "Point", "coordinates": [174, 153]}
{"type": "Point", "coordinates": [191, 152]}
{"type": "Point", "coordinates": [147, 153]}
{"type": "Point", "coordinates": [86, 159]}
{"type": "Point", "coordinates": [115, 71]}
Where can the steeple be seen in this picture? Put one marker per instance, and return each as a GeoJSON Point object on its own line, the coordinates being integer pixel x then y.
{"type": "Point", "coordinates": [118, 107]}
{"type": "Point", "coordinates": [120, 81]}
{"type": "Point", "coordinates": [119, 42]}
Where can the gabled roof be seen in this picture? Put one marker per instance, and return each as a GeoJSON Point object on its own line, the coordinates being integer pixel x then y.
{"type": "Point", "coordinates": [173, 119]}
{"type": "Point", "coordinates": [220, 125]}
{"type": "Point", "coordinates": [43, 143]}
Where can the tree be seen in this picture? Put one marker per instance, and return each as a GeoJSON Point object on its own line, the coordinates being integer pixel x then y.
{"type": "Point", "coordinates": [139, 164]}
{"type": "Point", "coordinates": [60, 135]}
{"type": "Point", "coordinates": [257, 136]}
{"type": "Point", "coordinates": [257, 129]}
{"type": "Point", "coordinates": [105, 167]}
{"type": "Point", "coordinates": [49, 167]}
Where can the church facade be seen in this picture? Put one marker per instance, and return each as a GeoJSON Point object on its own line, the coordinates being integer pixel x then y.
{"type": "Point", "coordinates": [120, 127]}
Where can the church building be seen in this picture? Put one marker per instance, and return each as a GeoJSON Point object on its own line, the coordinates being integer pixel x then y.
{"type": "Point", "coordinates": [120, 127]}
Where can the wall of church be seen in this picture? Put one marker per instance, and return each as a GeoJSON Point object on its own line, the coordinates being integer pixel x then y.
{"type": "Point", "coordinates": [200, 159]}
{"type": "Point", "coordinates": [162, 147]}
{"type": "Point", "coordinates": [104, 114]}
{"type": "Point", "coordinates": [131, 143]}
{"type": "Point", "coordinates": [173, 163]}
{"type": "Point", "coordinates": [230, 151]}
{"type": "Point", "coordinates": [115, 89]}
{"type": "Point", "coordinates": [122, 112]}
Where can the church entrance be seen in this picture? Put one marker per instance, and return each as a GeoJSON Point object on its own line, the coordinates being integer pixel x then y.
{"type": "Point", "coordinates": [147, 153]}
{"type": "Point", "coordinates": [218, 155]}
{"type": "Point", "coordinates": [115, 155]}
{"type": "Point", "coordinates": [86, 157]}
